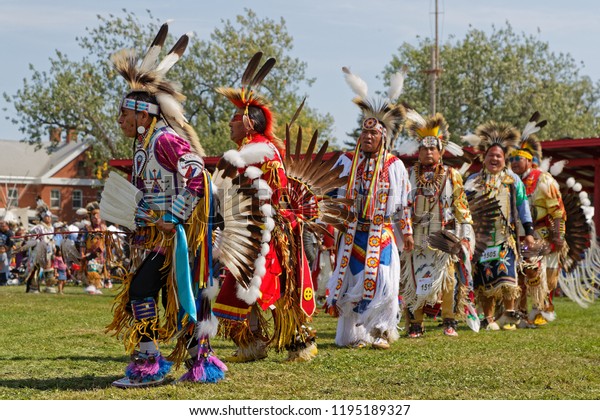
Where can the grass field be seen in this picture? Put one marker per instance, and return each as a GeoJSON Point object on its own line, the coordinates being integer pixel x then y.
{"type": "Point", "coordinates": [54, 347]}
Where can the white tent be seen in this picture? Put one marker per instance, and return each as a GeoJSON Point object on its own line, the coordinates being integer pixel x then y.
{"type": "Point", "coordinates": [18, 215]}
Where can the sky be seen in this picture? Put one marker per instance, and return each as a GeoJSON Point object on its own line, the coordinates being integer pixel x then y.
{"type": "Point", "coordinates": [328, 34]}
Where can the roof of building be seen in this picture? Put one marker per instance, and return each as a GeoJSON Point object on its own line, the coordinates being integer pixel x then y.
{"type": "Point", "coordinates": [23, 160]}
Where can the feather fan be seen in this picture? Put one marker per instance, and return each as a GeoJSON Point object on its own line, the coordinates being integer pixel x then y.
{"type": "Point", "coordinates": [484, 211]}
{"type": "Point", "coordinates": [577, 230]}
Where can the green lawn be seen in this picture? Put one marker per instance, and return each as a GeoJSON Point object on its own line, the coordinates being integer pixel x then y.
{"type": "Point", "coordinates": [54, 347]}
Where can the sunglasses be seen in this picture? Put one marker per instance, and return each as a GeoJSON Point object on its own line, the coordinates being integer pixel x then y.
{"type": "Point", "coordinates": [515, 159]}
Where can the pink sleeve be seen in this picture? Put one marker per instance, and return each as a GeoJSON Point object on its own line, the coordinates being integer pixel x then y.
{"type": "Point", "coordinates": [169, 148]}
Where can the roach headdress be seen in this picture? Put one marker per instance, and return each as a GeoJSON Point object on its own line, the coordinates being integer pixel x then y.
{"type": "Point", "coordinates": [427, 132]}
{"type": "Point", "coordinates": [491, 134]}
{"type": "Point", "coordinates": [382, 114]}
{"type": "Point", "coordinates": [530, 147]}
{"type": "Point", "coordinates": [245, 97]}
{"type": "Point", "coordinates": [149, 77]}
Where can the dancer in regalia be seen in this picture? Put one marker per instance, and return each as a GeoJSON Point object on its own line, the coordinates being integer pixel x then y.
{"type": "Point", "coordinates": [431, 277]}
{"type": "Point", "coordinates": [363, 290]}
{"type": "Point", "coordinates": [495, 273]}
{"type": "Point", "coordinates": [167, 206]}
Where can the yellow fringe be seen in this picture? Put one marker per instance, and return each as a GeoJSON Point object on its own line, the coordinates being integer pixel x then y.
{"type": "Point", "coordinates": [461, 301]}
{"type": "Point", "coordinates": [196, 231]}
{"type": "Point", "coordinates": [500, 292]}
{"type": "Point", "coordinates": [122, 316]}
{"type": "Point", "coordinates": [288, 316]}
{"type": "Point", "coordinates": [237, 331]}
{"type": "Point", "coordinates": [180, 353]}
{"type": "Point", "coordinates": [124, 326]}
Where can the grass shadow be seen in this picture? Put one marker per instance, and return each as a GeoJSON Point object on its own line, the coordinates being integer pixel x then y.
{"type": "Point", "coordinates": [75, 383]}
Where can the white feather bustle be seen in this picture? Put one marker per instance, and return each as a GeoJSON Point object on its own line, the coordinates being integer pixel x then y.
{"type": "Point", "coordinates": [267, 210]}
{"type": "Point", "coordinates": [235, 158]}
{"type": "Point", "coordinates": [211, 291]}
{"type": "Point", "coordinates": [583, 195]}
{"type": "Point", "coordinates": [589, 213]}
{"type": "Point", "coordinates": [264, 249]}
{"type": "Point", "coordinates": [454, 149]}
{"type": "Point", "coordinates": [545, 165]}
{"type": "Point", "coordinates": [407, 148]}
{"type": "Point", "coordinates": [248, 295]}
{"type": "Point", "coordinates": [577, 187]}
{"type": "Point", "coordinates": [586, 202]}
{"type": "Point", "coordinates": [570, 182]}
{"type": "Point", "coordinates": [263, 191]}
{"type": "Point", "coordinates": [119, 201]}
{"type": "Point", "coordinates": [253, 172]}
{"type": "Point", "coordinates": [266, 236]}
{"type": "Point", "coordinates": [207, 327]}
{"type": "Point", "coordinates": [472, 139]}
{"type": "Point", "coordinates": [254, 153]}
{"type": "Point", "coordinates": [260, 266]}
{"type": "Point", "coordinates": [558, 167]}
{"type": "Point", "coordinates": [269, 224]}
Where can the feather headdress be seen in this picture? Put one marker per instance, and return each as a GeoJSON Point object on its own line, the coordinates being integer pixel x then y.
{"type": "Point", "coordinates": [491, 134]}
{"type": "Point", "coordinates": [149, 76]}
{"type": "Point", "coordinates": [389, 114]}
{"type": "Point", "coordinates": [42, 208]}
{"type": "Point", "coordinates": [245, 97]}
{"type": "Point", "coordinates": [530, 147]}
{"type": "Point", "coordinates": [428, 132]}
{"type": "Point", "coordinates": [92, 206]}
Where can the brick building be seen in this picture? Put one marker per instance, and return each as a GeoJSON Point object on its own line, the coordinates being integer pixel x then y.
{"type": "Point", "coordinates": [64, 179]}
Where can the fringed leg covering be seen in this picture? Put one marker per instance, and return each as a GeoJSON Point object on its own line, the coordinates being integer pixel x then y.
{"type": "Point", "coordinates": [252, 343]}
{"type": "Point", "coordinates": [148, 366]}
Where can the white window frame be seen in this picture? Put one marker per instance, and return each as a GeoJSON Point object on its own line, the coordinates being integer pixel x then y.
{"type": "Point", "coordinates": [80, 193]}
{"type": "Point", "coordinates": [55, 198]}
{"type": "Point", "coordinates": [12, 198]}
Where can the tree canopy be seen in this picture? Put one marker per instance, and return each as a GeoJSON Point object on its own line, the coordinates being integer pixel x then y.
{"type": "Point", "coordinates": [502, 76]}
{"type": "Point", "coordinates": [83, 95]}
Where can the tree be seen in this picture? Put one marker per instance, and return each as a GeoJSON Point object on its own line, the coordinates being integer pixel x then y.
{"type": "Point", "coordinates": [502, 76]}
{"type": "Point", "coordinates": [221, 61]}
{"type": "Point", "coordinates": [84, 94]}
